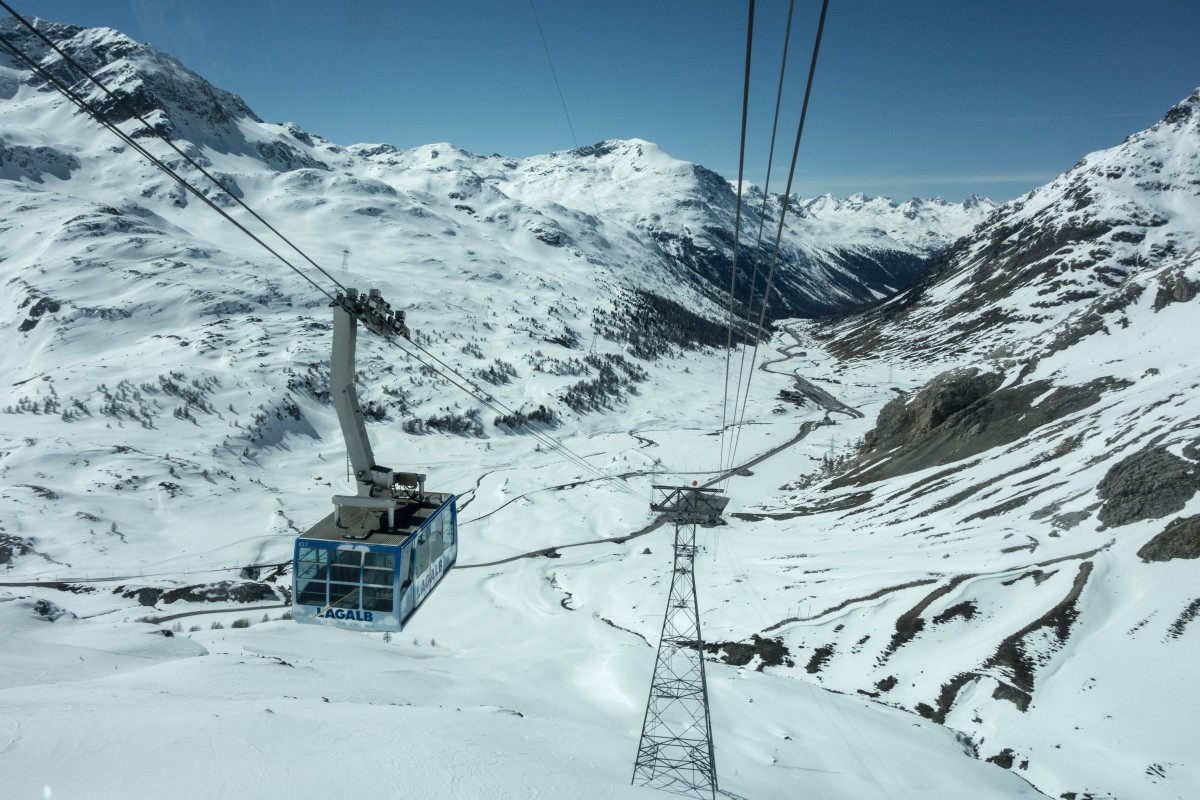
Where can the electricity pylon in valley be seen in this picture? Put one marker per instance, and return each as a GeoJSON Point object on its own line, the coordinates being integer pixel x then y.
{"type": "Point", "coordinates": [675, 752]}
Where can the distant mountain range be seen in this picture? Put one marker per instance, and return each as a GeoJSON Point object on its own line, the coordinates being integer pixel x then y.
{"type": "Point", "coordinates": [623, 205]}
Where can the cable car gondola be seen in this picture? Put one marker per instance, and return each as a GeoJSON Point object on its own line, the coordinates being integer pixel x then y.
{"type": "Point", "coordinates": [381, 552]}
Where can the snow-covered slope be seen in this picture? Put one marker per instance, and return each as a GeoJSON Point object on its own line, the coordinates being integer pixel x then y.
{"type": "Point", "coordinates": [165, 432]}
{"type": "Point", "coordinates": [1042, 257]}
{"type": "Point", "coordinates": [1010, 545]}
{"type": "Point", "coordinates": [624, 206]}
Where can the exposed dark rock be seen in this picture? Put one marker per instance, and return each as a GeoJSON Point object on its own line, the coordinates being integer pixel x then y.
{"type": "Point", "coordinates": [50, 611]}
{"type": "Point", "coordinates": [34, 163]}
{"type": "Point", "coordinates": [960, 414]}
{"type": "Point", "coordinates": [1011, 654]}
{"type": "Point", "coordinates": [222, 592]}
{"type": "Point", "coordinates": [146, 596]}
{"type": "Point", "coordinates": [819, 657]}
{"type": "Point", "coordinates": [905, 420]}
{"type": "Point", "coordinates": [945, 699]}
{"type": "Point", "coordinates": [43, 305]}
{"type": "Point", "coordinates": [1174, 287]}
{"type": "Point", "coordinates": [1180, 539]}
{"type": "Point", "coordinates": [1181, 112]}
{"type": "Point", "coordinates": [737, 654]}
{"type": "Point", "coordinates": [1037, 575]}
{"type": "Point", "coordinates": [910, 623]}
{"type": "Point", "coordinates": [1018, 697]}
{"type": "Point", "coordinates": [1149, 484]}
{"type": "Point", "coordinates": [771, 652]}
{"type": "Point", "coordinates": [965, 609]}
{"type": "Point", "coordinates": [548, 232]}
{"type": "Point", "coordinates": [1005, 758]}
{"type": "Point", "coordinates": [1095, 319]}
{"type": "Point", "coordinates": [12, 546]}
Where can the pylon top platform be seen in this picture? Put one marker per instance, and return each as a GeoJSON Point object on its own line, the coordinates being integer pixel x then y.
{"type": "Point", "coordinates": [690, 505]}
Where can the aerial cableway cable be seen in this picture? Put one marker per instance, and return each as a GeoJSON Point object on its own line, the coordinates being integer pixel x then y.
{"type": "Point", "coordinates": [782, 216]}
{"type": "Point", "coordinates": [153, 159]}
{"type": "Point", "coordinates": [454, 378]}
{"type": "Point", "coordinates": [762, 212]}
{"type": "Point", "coordinates": [83, 104]}
{"type": "Point", "coordinates": [737, 226]}
{"type": "Point", "coordinates": [561, 97]}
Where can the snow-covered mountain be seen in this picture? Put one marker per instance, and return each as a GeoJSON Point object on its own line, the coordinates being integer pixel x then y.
{"type": "Point", "coordinates": [625, 206]}
{"type": "Point", "coordinates": [1043, 257]}
{"type": "Point", "coordinates": [988, 558]}
{"type": "Point", "coordinates": [1032, 433]}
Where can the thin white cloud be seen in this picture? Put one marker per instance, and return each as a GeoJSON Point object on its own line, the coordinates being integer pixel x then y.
{"type": "Point", "coordinates": [808, 184]}
{"type": "Point", "coordinates": [963, 179]}
{"type": "Point", "coordinates": [1070, 117]}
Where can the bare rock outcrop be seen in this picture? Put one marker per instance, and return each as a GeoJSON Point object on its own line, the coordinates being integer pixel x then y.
{"type": "Point", "coordinates": [1180, 539]}
{"type": "Point", "coordinates": [1149, 484]}
{"type": "Point", "coordinates": [959, 414]}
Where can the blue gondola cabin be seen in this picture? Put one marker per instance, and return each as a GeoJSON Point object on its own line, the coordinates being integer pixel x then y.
{"type": "Point", "coordinates": [369, 570]}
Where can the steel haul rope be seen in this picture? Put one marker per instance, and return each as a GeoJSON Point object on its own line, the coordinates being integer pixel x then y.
{"type": "Point", "coordinates": [453, 377]}
{"type": "Point", "coordinates": [812, 69]}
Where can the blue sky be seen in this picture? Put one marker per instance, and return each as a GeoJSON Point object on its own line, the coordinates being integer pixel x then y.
{"type": "Point", "coordinates": [920, 99]}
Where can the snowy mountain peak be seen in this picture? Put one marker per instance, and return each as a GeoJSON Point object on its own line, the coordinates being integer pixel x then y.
{"type": "Point", "coordinates": [635, 149]}
{"type": "Point", "coordinates": [146, 82]}
{"type": "Point", "coordinates": [1184, 111]}
{"type": "Point", "coordinates": [1037, 259]}
{"type": "Point", "coordinates": [144, 78]}
{"type": "Point", "coordinates": [977, 201]}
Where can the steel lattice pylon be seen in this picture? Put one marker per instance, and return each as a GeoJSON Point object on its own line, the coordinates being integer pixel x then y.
{"type": "Point", "coordinates": [675, 752]}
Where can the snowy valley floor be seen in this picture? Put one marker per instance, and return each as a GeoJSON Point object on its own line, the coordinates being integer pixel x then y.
{"type": "Point", "coordinates": [512, 681]}
{"type": "Point", "coordinates": [523, 678]}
